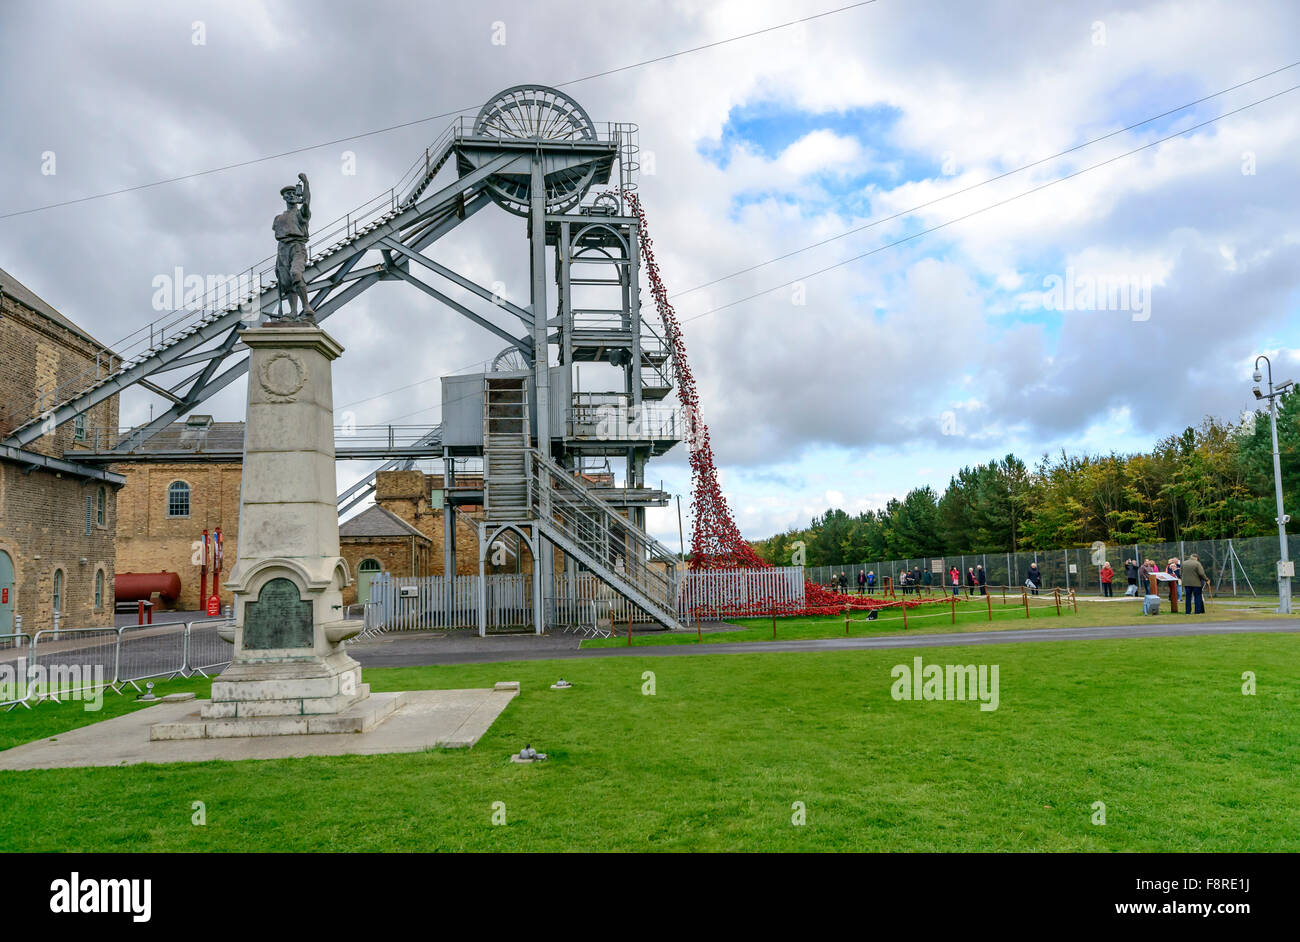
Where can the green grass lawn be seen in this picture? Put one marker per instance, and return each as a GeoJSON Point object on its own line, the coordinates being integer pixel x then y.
{"type": "Point", "coordinates": [937, 618]}
{"type": "Point", "coordinates": [1157, 729]}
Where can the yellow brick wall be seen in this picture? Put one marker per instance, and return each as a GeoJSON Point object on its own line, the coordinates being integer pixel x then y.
{"type": "Point", "coordinates": [43, 513]}
{"type": "Point", "coordinates": [150, 541]}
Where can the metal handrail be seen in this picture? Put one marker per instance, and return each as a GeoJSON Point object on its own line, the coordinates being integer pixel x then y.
{"type": "Point", "coordinates": [592, 523]}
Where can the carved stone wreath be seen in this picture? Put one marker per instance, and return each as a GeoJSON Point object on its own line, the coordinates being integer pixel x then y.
{"type": "Point", "coordinates": [282, 375]}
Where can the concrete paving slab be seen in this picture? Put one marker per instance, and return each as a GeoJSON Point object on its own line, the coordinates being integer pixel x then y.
{"type": "Point", "coordinates": [426, 719]}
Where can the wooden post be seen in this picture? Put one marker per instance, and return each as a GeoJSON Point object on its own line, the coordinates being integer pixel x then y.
{"type": "Point", "coordinates": [954, 609]}
{"type": "Point", "coordinates": [1074, 601]}
{"type": "Point", "coordinates": [989, 598]}
{"type": "Point", "coordinates": [1024, 597]}
{"type": "Point", "coordinates": [773, 622]}
{"type": "Point", "coordinates": [1056, 591]}
{"type": "Point", "coordinates": [629, 625]}
{"type": "Point", "coordinates": [904, 616]}
{"type": "Point", "coordinates": [1004, 594]}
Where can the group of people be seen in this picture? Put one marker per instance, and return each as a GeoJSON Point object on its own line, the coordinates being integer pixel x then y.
{"type": "Point", "coordinates": [913, 581]}
{"type": "Point", "coordinates": [1189, 574]}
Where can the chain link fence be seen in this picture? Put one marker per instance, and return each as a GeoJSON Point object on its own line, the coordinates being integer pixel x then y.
{"type": "Point", "coordinates": [1235, 567]}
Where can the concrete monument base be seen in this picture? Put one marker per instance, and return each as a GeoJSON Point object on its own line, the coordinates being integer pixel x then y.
{"type": "Point", "coordinates": [363, 715]}
{"type": "Point", "coordinates": [420, 720]}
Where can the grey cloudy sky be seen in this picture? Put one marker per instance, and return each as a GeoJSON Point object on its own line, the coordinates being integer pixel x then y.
{"type": "Point", "coordinates": [848, 388]}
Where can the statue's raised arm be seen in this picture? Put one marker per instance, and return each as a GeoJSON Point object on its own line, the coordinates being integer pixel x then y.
{"type": "Point", "coordinates": [306, 196]}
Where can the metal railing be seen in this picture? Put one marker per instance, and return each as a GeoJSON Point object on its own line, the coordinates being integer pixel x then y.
{"type": "Point", "coordinates": [61, 662]}
{"type": "Point", "coordinates": [245, 289]}
{"type": "Point", "coordinates": [614, 420]}
{"type": "Point", "coordinates": [612, 540]}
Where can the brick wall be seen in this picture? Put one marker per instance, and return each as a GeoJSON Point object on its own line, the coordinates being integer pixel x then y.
{"type": "Point", "coordinates": [43, 530]}
{"type": "Point", "coordinates": [148, 540]}
{"type": "Point", "coordinates": [394, 554]}
{"type": "Point", "coordinates": [39, 355]}
{"type": "Point", "coordinates": [43, 513]}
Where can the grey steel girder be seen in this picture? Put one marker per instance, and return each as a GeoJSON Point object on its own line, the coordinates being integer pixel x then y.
{"type": "Point", "coordinates": [164, 360]}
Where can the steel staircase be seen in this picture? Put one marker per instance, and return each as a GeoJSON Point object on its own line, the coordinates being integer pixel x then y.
{"type": "Point", "coordinates": [621, 554]}
{"type": "Point", "coordinates": [523, 486]}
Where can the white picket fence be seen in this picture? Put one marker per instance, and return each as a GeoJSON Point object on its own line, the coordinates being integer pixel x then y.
{"type": "Point", "coordinates": [415, 603]}
{"type": "Point", "coordinates": [723, 592]}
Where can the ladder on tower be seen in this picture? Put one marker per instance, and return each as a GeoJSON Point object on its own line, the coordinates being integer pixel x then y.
{"type": "Point", "coordinates": [506, 482]}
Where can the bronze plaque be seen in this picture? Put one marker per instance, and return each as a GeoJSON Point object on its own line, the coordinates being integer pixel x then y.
{"type": "Point", "coordinates": [278, 619]}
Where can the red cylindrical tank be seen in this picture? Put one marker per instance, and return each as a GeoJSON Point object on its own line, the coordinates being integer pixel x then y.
{"type": "Point", "coordinates": [134, 586]}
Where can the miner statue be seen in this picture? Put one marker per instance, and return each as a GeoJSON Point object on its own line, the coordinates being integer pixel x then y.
{"type": "Point", "coordinates": [290, 229]}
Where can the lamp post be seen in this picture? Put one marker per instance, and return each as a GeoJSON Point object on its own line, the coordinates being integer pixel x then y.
{"type": "Point", "coordinates": [1284, 565]}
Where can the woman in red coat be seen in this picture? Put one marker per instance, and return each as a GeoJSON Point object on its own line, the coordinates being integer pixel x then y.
{"type": "Point", "coordinates": [955, 578]}
{"type": "Point", "coordinates": [1107, 577]}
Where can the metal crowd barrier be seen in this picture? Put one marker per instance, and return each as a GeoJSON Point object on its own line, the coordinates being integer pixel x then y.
{"type": "Point", "coordinates": [57, 661]}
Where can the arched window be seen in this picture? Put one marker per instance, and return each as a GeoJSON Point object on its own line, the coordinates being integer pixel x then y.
{"type": "Point", "coordinates": [101, 506]}
{"type": "Point", "coordinates": [370, 565]}
{"type": "Point", "coordinates": [99, 589]}
{"type": "Point", "coordinates": [56, 600]}
{"type": "Point", "coordinates": [178, 499]}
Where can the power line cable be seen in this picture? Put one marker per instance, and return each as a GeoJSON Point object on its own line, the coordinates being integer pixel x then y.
{"type": "Point", "coordinates": [984, 209]}
{"type": "Point", "coordinates": [446, 114]}
{"type": "Point", "coordinates": [993, 179]}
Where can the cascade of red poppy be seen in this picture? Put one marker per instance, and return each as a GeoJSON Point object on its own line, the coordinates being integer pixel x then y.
{"type": "Point", "coordinates": [716, 542]}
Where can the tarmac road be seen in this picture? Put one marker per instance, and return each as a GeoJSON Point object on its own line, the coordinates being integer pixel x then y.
{"type": "Point", "coordinates": [465, 648]}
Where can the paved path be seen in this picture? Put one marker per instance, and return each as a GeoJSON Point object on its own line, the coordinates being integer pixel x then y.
{"type": "Point", "coordinates": [463, 648]}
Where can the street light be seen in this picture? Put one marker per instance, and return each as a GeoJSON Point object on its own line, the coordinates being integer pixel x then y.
{"type": "Point", "coordinates": [1284, 566]}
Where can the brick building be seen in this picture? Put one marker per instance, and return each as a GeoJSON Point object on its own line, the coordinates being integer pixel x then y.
{"type": "Point", "coordinates": [57, 517]}
{"type": "Point", "coordinates": [377, 540]}
{"type": "Point", "coordinates": [183, 480]}
{"type": "Point", "coordinates": [187, 478]}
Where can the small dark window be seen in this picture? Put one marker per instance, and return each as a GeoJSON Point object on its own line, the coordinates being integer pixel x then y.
{"type": "Point", "coordinates": [99, 590]}
{"type": "Point", "coordinates": [79, 428]}
{"type": "Point", "coordinates": [101, 505]}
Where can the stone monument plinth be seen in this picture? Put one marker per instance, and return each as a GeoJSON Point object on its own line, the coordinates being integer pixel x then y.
{"type": "Point", "coordinates": [289, 673]}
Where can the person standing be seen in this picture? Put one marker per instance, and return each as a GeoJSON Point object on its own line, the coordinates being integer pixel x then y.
{"type": "Point", "coordinates": [970, 582]}
{"type": "Point", "coordinates": [927, 579]}
{"type": "Point", "coordinates": [844, 583]}
{"type": "Point", "coordinates": [862, 581]}
{"type": "Point", "coordinates": [982, 578]}
{"type": "Point", "coordinates": [1035, 578]}
{"type": "Point", "coordinates": [1194, 582]}
{"type": "Point", "coordinates": [1131, 574]}
{"type": "Point", "coordinates": [1107, 580]}
{"type": "Point", "coordinates": [871, 582]}
{"type": "Point", "coordinates": [955, 577]}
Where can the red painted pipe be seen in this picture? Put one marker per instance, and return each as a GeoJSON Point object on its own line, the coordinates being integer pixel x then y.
{"type": "Point", "coordinates": [140, 586]}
